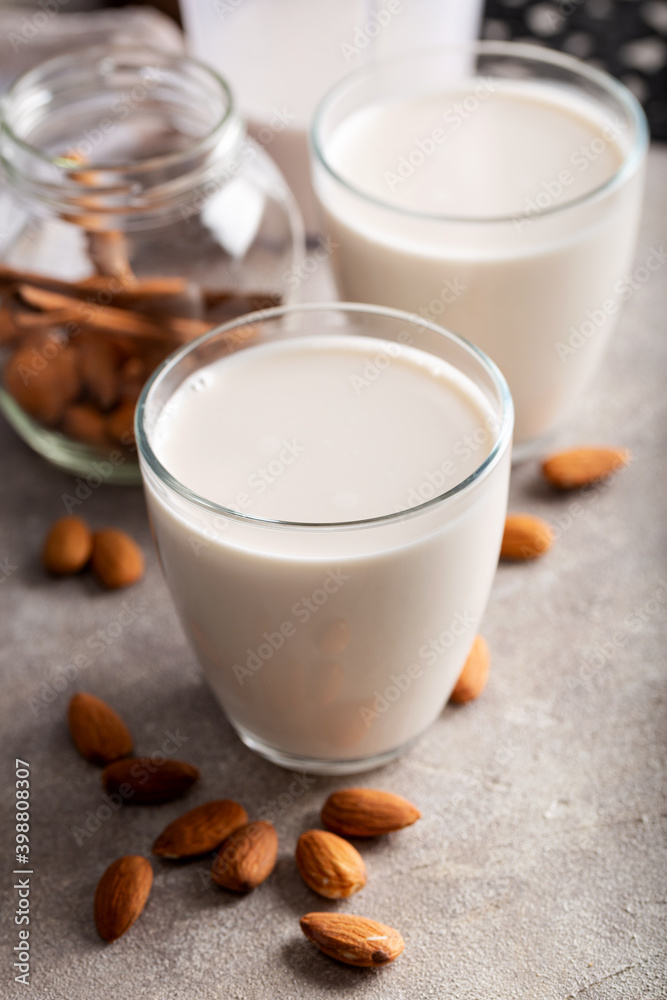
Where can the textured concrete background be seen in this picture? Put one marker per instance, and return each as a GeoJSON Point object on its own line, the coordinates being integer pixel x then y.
{"type": "Point", "coordinates": [539, 868]}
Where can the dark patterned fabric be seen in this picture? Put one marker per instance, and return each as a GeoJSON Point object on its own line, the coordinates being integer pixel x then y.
{"type": "Point", "coordinates": [626, 37]}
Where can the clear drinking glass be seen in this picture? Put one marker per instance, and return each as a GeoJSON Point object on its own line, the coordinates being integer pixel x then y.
{"type": "Point", "coordinates": [332, 647]}
{"type": "Point", "coordinates": [537, 286]}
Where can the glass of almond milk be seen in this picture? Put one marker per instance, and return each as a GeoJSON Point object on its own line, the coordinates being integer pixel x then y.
{"type": "Point", "coordinates": [327, 486]}
{"type": "Point", "coordinates": [495, 188]}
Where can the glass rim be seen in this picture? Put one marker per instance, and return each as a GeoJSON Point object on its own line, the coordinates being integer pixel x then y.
{"type": "Point", "coordinates": [502, 442]}
{"type": "Point", "coordinates": [90, 54]}
{"type": "Point", "coordinates": [521, 50]}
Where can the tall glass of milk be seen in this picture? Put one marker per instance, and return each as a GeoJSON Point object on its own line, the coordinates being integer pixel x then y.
{"type": "Point", "coordinates": [495, 188]}
{"type": "Point", "coordinates": [327, 486]}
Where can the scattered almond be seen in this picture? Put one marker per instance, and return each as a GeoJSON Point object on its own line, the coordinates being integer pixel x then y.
{"type": "Point", "coordinates": [570, 470]}
{"type": "Point", "coordinates": [68, 546]}
{"type": "Point", "coordinates": [246, 857]}
{"type": "Point", "coordinates": [351, 939]}
{"type": "Point", "coordinates": [201, 830]}
{"type": "Point", "coordinates": [117, 560]}
{"type": "Point", "coordinates": [144, 780]}
{"type": "Point", "coordinates": [367, 812]}
{"type": "Point", "coordinates": [475, 673]}
{"type": "Point", "coordinates": [525, 537]}
{"type": "Point", "coordinates": [121, 895]}
{"type": "Point", "coordinates": [330, 865]}
{"type": "Point", "coordinates": [99, 734]}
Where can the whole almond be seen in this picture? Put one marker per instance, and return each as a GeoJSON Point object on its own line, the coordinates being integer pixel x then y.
{"type": "Point", "coordinates": [67, 547]}
{"type": "Point", "coordinates": [246, 857]}
{"type": "Point", "coordinates": [570, 470]}
{"type": "Point", "coordinates": [99, 734]}
{"type": "Point", "coordinates": [525, 537]}
{"type": "Point", "coordinates": [201, 830]}
{"type": "Point", "coordinates": [117, 560]}
{"type": "Point", "coordinates": [85, 423]}
{"type": "Point", "coordinates": [330, 865]}
{"type": "Point", "coordinates": [367, 812]}
{"type": "Point", "coordinates": [353, 940]}
{"type": "Point", "coordinates": [121, 895]}
{"type": "Point", "coordinates": [43, 378]}
{"type": "Point", "coordinates": [146, 780]}
{"type": "Point", "coordinates": [472, 679]}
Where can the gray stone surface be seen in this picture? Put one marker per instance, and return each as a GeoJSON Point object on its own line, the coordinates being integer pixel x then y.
{"type": "Point", "coordinates": [538, 871]}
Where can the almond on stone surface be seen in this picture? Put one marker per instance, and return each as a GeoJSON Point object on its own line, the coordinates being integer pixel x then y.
{"type": "Point", "coordinates": [200, 830]}
{"type": "Point", "coordinates": [475, 673]}
{"type": "Point", "coordinates": [67, 547]}
{"type": "Point", "coordinates": [367, 812]}
{"type": "Point", "coordinates": [577, 467]}
{"type": "Point", "coordinates": [145, 780]}
{"type": "Point", "coordinates": [99, 734]}
{"type": "Point", "coordinates": [352, 939]}
{"type": "Point", "coordinates": [117, 560]}
{"type": "Point", "coordinates": [525, 537]}
{"type": "Point", "coordinates": [330, 865]}
{"type": "Point", "coordinates": [247, 857]}
{"type": "Point", "coordinates": [121, 895]}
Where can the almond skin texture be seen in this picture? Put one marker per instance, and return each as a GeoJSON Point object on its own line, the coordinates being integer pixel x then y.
{"type": "Point", "coordinates": [570, 470]}
{"type": "Point", "coordinates": [330, 865]}
{"type": "Point", "coordinates": [142, 780]}
{"type": "Point", "coordinates": [117, 560]}
{"type": "Point", "coordinates": [246, 857]}
{"type": "Point", "coordinates": [367, 812]}
{"type": "Point", "coordinates": [201, 830]}
{"type": "Point", "coordinates": [475, 673]}
{"type": "Point", "coordinates": [121, 895]}
{"type": "Point", "coordinates": [99, 734]}
{"type": "Point", "coordinates": [351, 939]}
{"type": "Point", "coordinates": [526, 537]}
{"type": "Point", "coordinates": [68, 546]}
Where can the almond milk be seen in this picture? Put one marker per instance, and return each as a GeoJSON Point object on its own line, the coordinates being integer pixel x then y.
{"type": "Point", "coordinates": [489, 207]}
{"type": "Point", "coordinates": [330, 645]}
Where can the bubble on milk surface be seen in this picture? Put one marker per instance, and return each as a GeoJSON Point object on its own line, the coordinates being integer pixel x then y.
{"type": "Point", "coordinates": [200, 381]}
